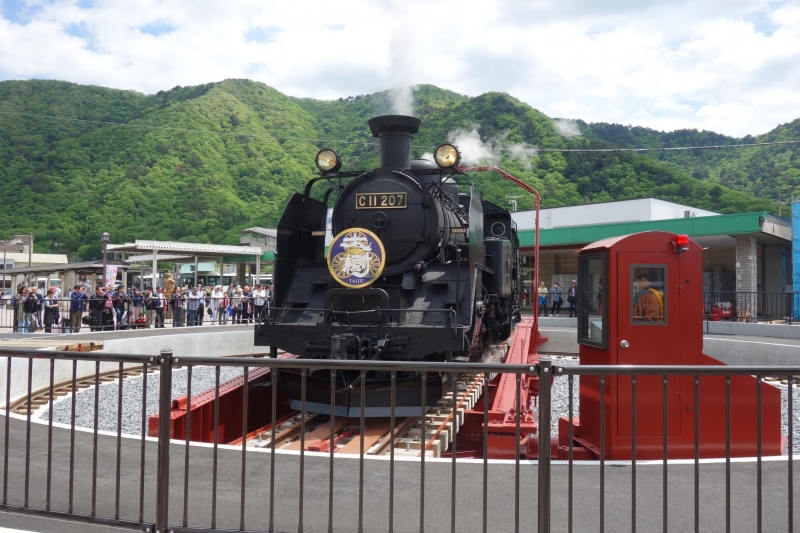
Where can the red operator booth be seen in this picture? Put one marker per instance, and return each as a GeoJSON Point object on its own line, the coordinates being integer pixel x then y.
{"type": "Point", "coordinates": [640, 303]}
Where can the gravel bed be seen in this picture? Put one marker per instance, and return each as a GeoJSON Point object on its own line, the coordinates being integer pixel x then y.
{"type": "Point", "coordinates": [203, 378]}
{"type": "Point", "coordinates": [795, 413]}
{"type": "Point", "coordinates": [560, 396]}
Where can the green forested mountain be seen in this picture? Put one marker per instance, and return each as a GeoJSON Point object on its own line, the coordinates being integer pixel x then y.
{"type": "Point", "coordinates": [200, 163]}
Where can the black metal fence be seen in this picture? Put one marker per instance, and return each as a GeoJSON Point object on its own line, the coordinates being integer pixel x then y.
{"type": "Point", "coordinates": [64, 317]}
{"type": "Point", "coordinates": [90, 475]}
{"type": "Point", "coordinates": [749, 306]}
{"type": "Point", "coordinates": [717, 306]}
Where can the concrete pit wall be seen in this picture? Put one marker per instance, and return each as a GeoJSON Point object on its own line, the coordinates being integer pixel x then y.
{"type": "Point", "coordinates": [196, 343]}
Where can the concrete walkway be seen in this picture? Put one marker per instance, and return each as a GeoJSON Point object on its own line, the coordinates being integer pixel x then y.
{"type": "Point", "coordinates": [376, 487]}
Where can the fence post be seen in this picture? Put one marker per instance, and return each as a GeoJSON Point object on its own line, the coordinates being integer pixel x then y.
{"type": "Point", "coordinates": [164, 408]}
{"type": "Point", "coordinates": [545, 374]}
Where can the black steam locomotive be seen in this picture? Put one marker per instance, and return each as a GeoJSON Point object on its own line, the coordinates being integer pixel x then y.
{"type": "Point", "coordinates": [415, 271]}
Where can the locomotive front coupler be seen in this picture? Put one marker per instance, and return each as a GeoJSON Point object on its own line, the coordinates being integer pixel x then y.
{"type": "Point", "coordinates": [351, 346]}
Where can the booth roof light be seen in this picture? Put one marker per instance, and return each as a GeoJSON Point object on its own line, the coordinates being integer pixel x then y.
{"type": "Point", "coordinates": [681, 243]}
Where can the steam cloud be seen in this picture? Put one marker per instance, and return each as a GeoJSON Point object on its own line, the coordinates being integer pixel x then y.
{"type": "Point", "coordinates": [476, 151]}
{"type": "Point", "coordinates": [402, 100]}
{"type": "Point", "coordinates": [566, 128]}
{"type": "Point", "coordinates": [401, 63]}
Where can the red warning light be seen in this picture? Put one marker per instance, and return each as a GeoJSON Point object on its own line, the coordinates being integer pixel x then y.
{"type": "Point", "coordinates": [681, 243]}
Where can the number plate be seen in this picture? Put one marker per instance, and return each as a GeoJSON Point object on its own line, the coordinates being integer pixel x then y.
{"type": "Point", "coordinates": [375, 200]}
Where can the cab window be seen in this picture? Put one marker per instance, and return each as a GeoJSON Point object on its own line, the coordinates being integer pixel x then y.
{"type": "Point", "coordinates": [592, 300]}
{"type": "Point", "coordinates": [648, 295]}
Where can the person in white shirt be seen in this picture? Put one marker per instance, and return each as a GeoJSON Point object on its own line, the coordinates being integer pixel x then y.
{"type": "Point", "coordinates": [259, 301]}
{"type": "Point", "coordinates": [237, 304]}
{"type": "Point", "coordinates": [213, 303]}
{"type": "Point", "coordinates": [192, 306]}
{"type": "Point", "coordinates": [161, 306]}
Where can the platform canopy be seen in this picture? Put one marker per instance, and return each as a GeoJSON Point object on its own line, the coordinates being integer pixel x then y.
{"type": "Point", "coordinates": [145, 251]}
{"type": "Point", "coordinates": [86, 267]}
{"type": "Point", "coordinates": [184, 249]}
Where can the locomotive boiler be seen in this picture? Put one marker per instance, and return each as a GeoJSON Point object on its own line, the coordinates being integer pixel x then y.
{"type": "Point", "coordinates": [416, 270]}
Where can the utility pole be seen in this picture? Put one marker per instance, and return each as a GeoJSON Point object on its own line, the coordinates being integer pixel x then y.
{"type": "Point", "coordinates": [104, 238]}
{"type": "Point", "coordinates": [30, 255]}
{"type": "Point", "coordinates": [779, 203]}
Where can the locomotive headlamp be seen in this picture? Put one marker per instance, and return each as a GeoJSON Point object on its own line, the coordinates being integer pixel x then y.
{"type": "Point", "coordinates": [328, 160]}
{"type": "Point", "coordinates": [446, 156]}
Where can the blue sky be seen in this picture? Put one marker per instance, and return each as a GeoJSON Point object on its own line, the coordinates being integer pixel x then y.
{"type": "Point", "coordinates": [723, 65]}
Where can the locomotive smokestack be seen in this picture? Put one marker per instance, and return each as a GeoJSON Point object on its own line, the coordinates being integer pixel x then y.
{"type": "Point", "coordinates": [395, 132]}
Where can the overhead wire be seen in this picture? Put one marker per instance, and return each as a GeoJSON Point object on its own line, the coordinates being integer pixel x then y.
{"type": "Point", "coordinates": [532, 149]}
{"type": "Point", "coordinates": [649, 149]}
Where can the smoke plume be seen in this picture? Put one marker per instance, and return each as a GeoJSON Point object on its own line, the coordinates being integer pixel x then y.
{"type": "Point", "coordinates": [566, 128]}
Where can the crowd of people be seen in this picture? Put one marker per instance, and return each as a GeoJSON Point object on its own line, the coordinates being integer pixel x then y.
{"type": "Point", "coordinates": [117, 308]}
{"type": "Point", "coordinates": [553, 301]}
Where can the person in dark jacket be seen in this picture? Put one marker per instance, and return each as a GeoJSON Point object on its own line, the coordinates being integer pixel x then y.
{"type": "Point", "coordinates": [29, 303]}
{"type": "Point", "coordinates": [97, 304]}
{"type": "Point", "coordinates": [572, 299]}
{"type": "Point", "coordinates": [557, 299]}
{"type": "Point", "coordinates": [178, 304]}
{"type": "Point", "coordinates": [247, 305]}
{"type": "Point", "coordinates": [39, 306]}
{"type": "Point", "coordinates": [160, 305]}
{"type": "Point", "coordinates": [77, 306]}
{"type": "Point", "coordinates": [149, 301]}
{"type": "Point", "coordinates": [120, 299]}
{"type": "Point", "coordinates": [135, 305]}
{"type": "Point", "coordinates": [51, 314]}
{"type": "Point", "coordinates": [201, 305]}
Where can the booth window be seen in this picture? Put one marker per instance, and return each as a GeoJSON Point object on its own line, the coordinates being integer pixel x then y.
{"type": "Point", "coordinates": [648, 297]}
{"type": "Point", "coordinates": [592, 301]}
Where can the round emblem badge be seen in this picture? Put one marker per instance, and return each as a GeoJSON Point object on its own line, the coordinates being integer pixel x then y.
{"type": "Point", "coordinates": [356, 257]}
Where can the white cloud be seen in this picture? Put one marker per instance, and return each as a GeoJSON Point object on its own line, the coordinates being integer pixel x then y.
{"type": "Point", "coordinates": [722, 65]}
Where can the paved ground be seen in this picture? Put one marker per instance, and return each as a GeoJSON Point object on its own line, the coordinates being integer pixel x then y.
{"type": "Point", "coordinates": [754, 339]}
{"type": "Point", "coordinates": [437, 505]}
{"type": "Point", "coordinates": [376, 487]}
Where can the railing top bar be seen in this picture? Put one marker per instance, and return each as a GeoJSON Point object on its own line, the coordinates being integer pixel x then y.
{"type": "Point", "coordinates": [674, 370]}
{"type": "Point", "coordinates": [103, 357]}
{"type": "Point", "coordinates": [321, 364]}
{"type": "Point", "coordinates": [328, 364]}
{"type": "Point", "coordinates": [361, 311]}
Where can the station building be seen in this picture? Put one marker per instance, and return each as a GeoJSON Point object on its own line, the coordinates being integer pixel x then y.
{"type": "Point", "coordinates": [742, 252]}
{"type": "Point", "coordinates": [17, 253]}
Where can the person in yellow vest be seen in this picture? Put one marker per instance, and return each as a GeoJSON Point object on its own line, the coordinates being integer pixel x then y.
{"type": "Point", "coordinates": [648, 302]}
{"type": "Point", "coordinates": [169, 288]}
